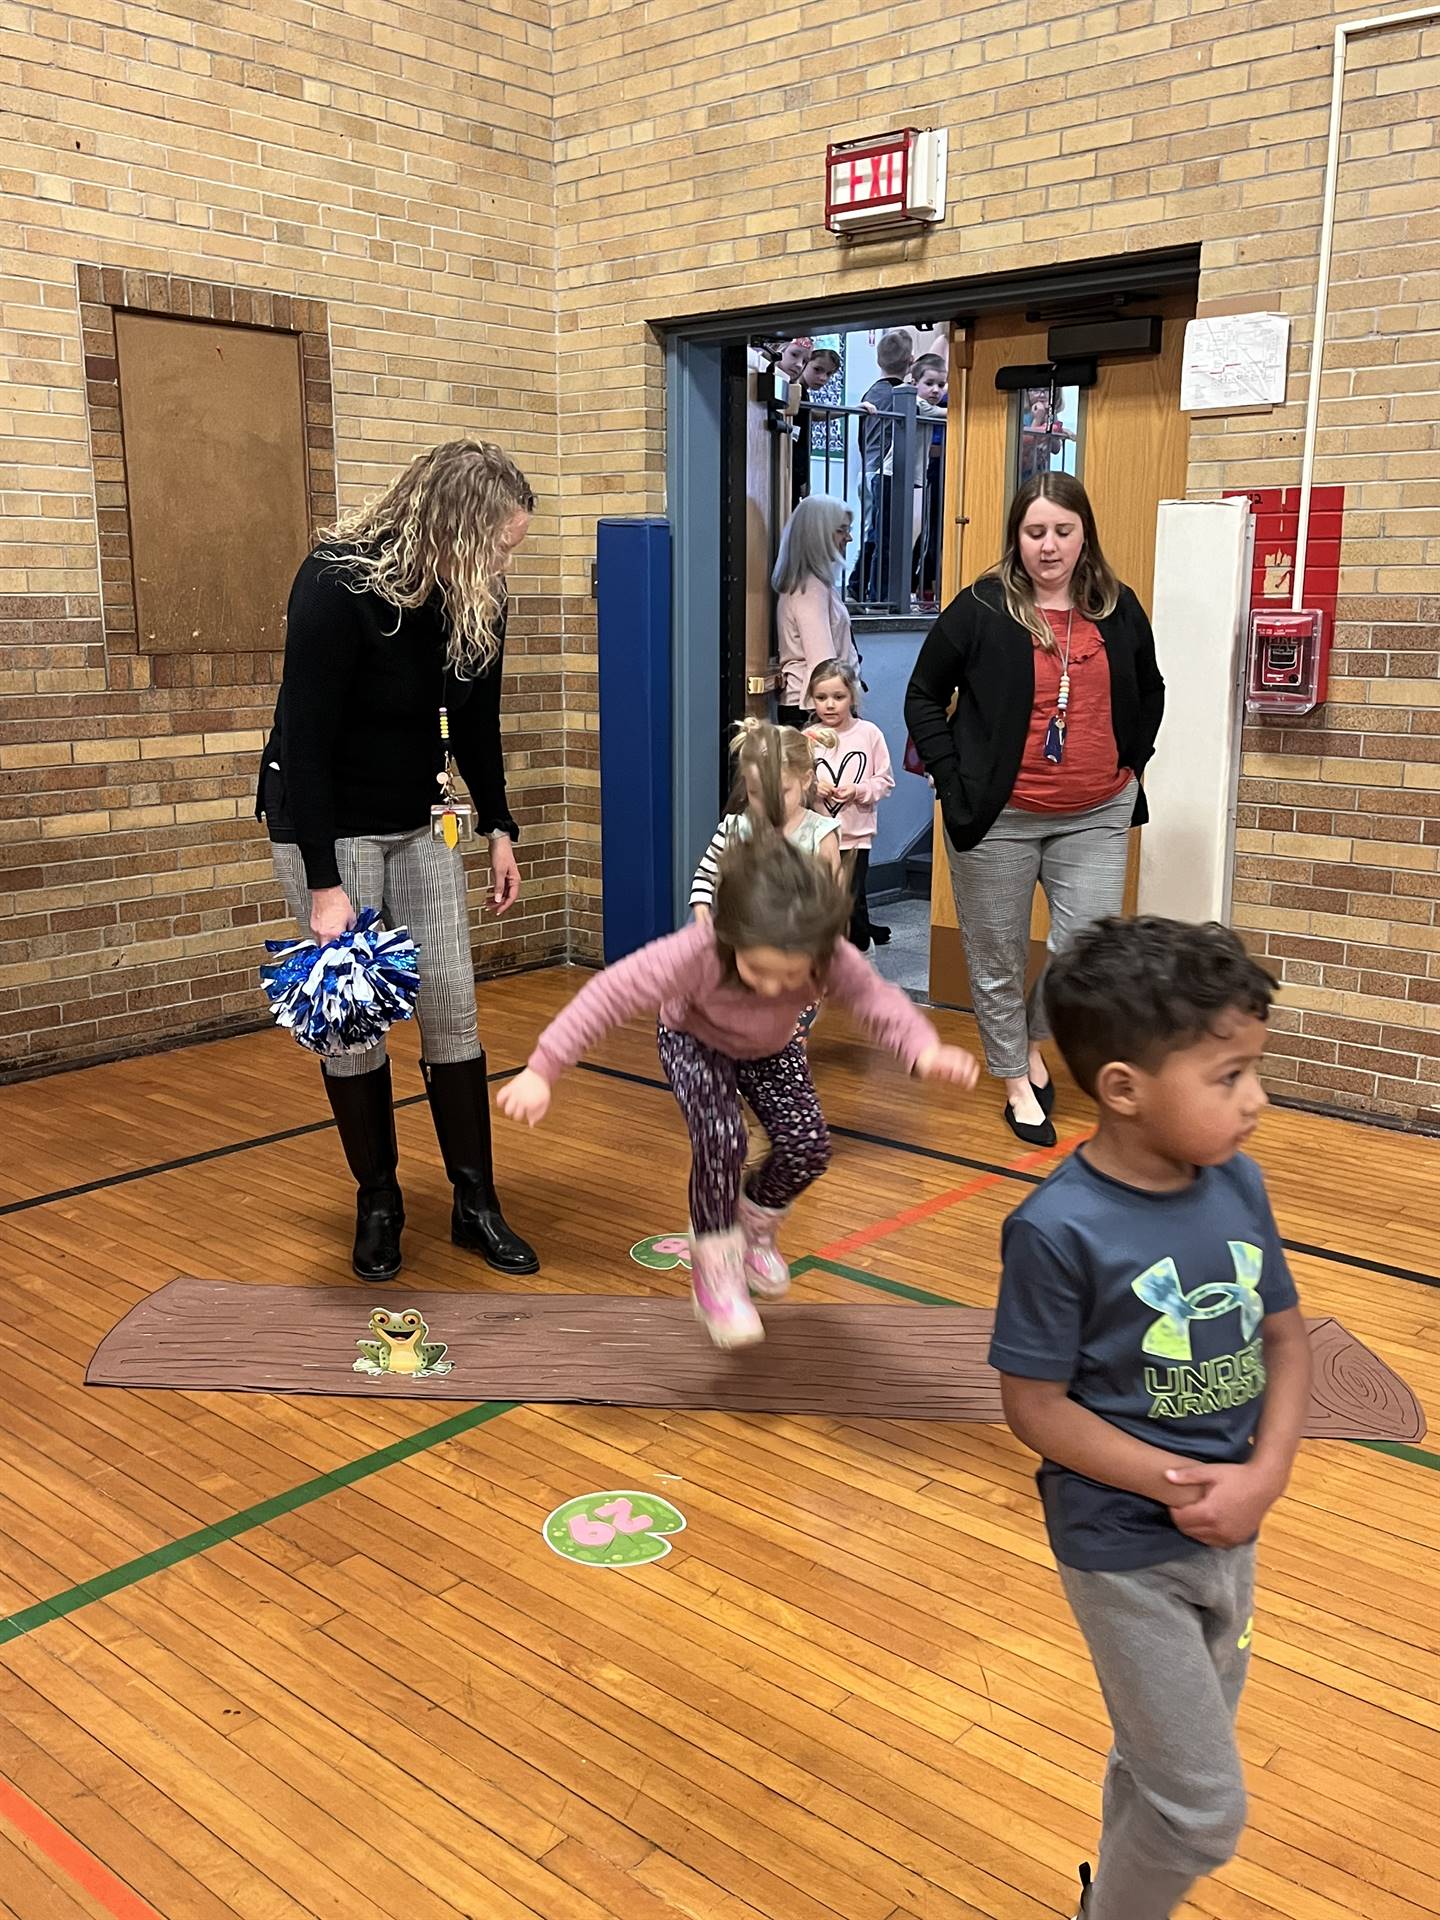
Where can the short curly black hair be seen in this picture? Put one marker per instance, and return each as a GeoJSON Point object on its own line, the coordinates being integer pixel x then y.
{"type": "Point", "coordinates": [1138, 990]}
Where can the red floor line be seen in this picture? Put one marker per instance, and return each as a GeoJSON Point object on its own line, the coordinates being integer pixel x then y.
{"type": "Point", "coordinates": [938, 1203]}
{"type": "Point", "coordinates": [71, 1858]}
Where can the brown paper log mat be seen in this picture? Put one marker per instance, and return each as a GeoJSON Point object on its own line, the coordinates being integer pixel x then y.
{"type": "Point", "coordinates": [881, 1361]}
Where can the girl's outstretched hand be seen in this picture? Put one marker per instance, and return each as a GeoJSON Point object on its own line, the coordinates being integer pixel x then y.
{"type": "Point", "coordinates": [527, 1098]}
{"type": "Point", "coordinates": [954, 1064]}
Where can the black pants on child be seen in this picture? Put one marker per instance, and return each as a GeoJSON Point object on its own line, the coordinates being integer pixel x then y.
{"type": "Point", "coordinates": [709, 1087]}
{"type": "Point", "coordinates": [855, 864]}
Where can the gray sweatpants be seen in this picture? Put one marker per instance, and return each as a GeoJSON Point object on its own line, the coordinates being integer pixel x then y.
{"type": "Point", "coordinates": [417, 882]}
{"type": "Point", "coordinates": [1171, 1645]}
{"type": "Point", "coordinates": [1079, 859]}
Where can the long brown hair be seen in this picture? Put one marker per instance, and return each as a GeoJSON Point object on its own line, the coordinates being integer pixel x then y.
{"type": "Point", "coordinates": [1093, 585]}
{"type": "Point", "coordinates": [439, 525]}
{"type": "Point", "coordinates": [769, 893]}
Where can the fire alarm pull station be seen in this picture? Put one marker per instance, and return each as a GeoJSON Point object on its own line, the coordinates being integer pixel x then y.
{"type": "Point", "coordinates": [1288, 662]}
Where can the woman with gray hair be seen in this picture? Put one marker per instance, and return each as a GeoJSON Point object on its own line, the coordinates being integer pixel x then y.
{"type": "Point", "coordinates": [811, 622]}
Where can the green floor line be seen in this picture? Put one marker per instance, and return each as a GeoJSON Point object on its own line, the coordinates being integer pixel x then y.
{"type": "Point", "coordinates": [185, 1548]}
{"type": "Point", "coordinates": [27, 1619]}
{"type": "Point", "coordinates": [1398, 1450]}
{"type": "Point", "coordinates": [901, 1289]}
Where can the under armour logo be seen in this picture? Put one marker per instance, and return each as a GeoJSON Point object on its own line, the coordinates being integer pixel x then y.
{"type": "Point", "coordinates": [1159, 1287]}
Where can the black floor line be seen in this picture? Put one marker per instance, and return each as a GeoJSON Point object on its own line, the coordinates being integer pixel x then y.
{"type": "Point", "coordinates": [199, 1159]}
{"type": "Point", "coordinates": [936, 1154]}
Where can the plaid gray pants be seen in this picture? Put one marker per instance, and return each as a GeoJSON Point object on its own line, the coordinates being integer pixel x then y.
{"type": "Point", "coordinates": [417, 882]}
{"type": "Point", "coordinates": [1079, 860]}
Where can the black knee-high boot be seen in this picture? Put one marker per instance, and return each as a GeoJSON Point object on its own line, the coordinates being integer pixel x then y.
{"type": "Point", "coordinates": [365, 1115]}
{"type": "Point", "coordinates": [460, 1105]}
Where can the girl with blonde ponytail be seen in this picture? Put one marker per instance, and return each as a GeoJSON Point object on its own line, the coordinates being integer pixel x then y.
{"type": "Point", "coordinates": [774, 781]}
{"type": "Point", "coordinates": [728, 990]}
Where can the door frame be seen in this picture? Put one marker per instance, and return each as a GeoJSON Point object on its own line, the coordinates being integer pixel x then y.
{"type": "Point", "coordinates": [695, 440]}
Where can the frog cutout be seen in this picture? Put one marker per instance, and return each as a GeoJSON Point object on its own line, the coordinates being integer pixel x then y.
{"type": "Point", "coordinates": [625, 1529]}
{"type": "Point", "coordinates": [662, 1252]}
{"type": "Point", "coordinates": [400, 1347]}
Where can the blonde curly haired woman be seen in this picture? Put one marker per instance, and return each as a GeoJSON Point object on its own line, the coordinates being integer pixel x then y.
{"type": "Point", "coordinates": [396, 614]}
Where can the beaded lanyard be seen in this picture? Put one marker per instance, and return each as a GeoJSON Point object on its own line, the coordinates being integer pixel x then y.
{"type": "Point", "coordinates": [1055, 732]}
{"type": "Point", "coordinates": [451, 819]}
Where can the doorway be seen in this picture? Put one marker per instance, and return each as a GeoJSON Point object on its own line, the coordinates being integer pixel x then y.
{"type": "Point", "coordinates": [718, 599]}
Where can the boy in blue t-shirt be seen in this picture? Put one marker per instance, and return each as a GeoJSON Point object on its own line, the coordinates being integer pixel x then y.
{"type": "Point", "coordinates": [1152, 1352]}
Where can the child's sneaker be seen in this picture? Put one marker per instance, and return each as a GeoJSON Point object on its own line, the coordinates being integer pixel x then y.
{"type": "Point", "coordinates": [718, 1290]}
{"type": "Point", "coordinates": [766, 1274]}
{"type": "Point", "coordinates": [1084, 1906]}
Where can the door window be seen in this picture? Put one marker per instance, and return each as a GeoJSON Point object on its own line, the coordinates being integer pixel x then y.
{"type": "Point", "coordinates": [1046, 434]}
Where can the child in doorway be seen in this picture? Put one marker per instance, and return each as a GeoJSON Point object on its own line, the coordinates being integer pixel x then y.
{"type": "Point", "coordinates": [852, 777]}
{"type": "Point", "coordinates": [869, 578]}
{"type": "Point", "coordinates": [813, 832]}
{"type": "Point", "coordinates": [728, 991]}
{"type": "Point", "coordinates": [1151, 1350]}
{"type": "Point", "coordinates": [930, 376]}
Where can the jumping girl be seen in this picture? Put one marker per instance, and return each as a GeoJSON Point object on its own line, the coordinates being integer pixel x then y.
{"type": "Point", "coordinates": [728, 991]}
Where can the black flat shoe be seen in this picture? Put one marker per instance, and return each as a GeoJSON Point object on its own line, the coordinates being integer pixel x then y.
{"type": "Point", "coordinates": [1041, 1136]}
{"type": "Point", "coordinates": [880, 935]}
{"type": "Point", "coordinates": [484, 1230]}
{"type": "Point", "coordinates": [1046, 1096]}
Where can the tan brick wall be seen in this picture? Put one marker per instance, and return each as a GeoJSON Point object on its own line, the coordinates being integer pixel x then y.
{"type": "Point", "coordinates": [494, 204]}
{"type": "Point", "coordinates": [689, 161]}
{"type": "Point", "coordinates": [392, 161]}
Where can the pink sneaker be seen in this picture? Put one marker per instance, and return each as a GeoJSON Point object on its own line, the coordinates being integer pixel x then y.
{"type": "Point", "coordinates": [717, 1288]}
{"type": "Point", "coordinates": [766, 1274]}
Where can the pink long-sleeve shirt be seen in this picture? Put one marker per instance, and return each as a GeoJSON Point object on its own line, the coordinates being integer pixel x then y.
{"type": "Point", "coordinates": [811, 627]}
{"type": "Point", "coordinates": [682, 977]}
{"type": "Point", "coordinates": [862, 761]}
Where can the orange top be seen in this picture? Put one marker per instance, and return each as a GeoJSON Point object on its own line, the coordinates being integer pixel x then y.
{"type": "Point", "coordinates": [1088, 775]}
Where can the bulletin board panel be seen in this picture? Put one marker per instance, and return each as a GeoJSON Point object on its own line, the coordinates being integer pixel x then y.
{"type": "Point", "coordinates": [215, 461]}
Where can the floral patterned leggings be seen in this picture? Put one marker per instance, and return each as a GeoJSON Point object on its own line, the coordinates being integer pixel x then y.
{"type": "Point", "coordinates": [709, 1087]}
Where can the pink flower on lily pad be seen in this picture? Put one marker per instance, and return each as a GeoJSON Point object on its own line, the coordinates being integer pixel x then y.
{"type": "Point", "coordinates": [662, 1252]}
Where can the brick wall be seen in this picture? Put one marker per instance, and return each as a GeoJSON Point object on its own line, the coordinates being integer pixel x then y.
{"type": "Point", "coordinates": [689, 155]}
{"type": "Point", "coordinates": [494, 205]}
{"type": "Point", "coordinates": [388, 166]}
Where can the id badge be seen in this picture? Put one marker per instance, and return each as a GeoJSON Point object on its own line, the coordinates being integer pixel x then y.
{"type": "Point", "coordinates": [452, 821]}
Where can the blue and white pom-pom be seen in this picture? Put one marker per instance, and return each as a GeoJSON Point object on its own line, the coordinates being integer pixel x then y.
{"type": "Point", "coordinates": [340, 998]}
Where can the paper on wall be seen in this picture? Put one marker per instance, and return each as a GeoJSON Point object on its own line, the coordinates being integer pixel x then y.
{"type": "Point", "coordinates": [1235, 360]}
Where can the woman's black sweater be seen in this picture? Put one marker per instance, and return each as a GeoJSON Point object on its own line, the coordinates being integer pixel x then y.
{"type": "Point", "coordinates": [355, 748]}
{"type": "Point", "coordinates": [982, 658]}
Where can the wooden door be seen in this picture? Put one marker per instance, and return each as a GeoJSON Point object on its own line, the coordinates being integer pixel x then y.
{"type": "Point", "coordinates": [1127, 442]}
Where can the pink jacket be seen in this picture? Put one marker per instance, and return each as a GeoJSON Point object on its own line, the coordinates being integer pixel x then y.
{"type": "Point", "coordinates": [862, 761]}
{"type": "Point", "coordinates": [811, 627]}
{"type": "Point", "coordinates": [683, 978]}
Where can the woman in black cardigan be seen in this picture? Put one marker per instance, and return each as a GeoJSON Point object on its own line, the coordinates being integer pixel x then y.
{"type": "Point", "coordinates": [1050, 664]}
{"type": "Point", "coordinates": [395, 638]}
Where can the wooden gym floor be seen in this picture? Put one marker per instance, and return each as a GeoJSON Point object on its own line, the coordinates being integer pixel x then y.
{"type": "Point", "coordinates": [281, 1657]}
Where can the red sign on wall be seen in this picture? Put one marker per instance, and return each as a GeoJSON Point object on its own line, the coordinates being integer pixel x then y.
{"type": "Point", "coordinates": [1277, 530]}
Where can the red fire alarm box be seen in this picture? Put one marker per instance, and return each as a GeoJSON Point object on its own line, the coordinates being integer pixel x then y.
{"type": "Point", "coordinates": [1288, 662]}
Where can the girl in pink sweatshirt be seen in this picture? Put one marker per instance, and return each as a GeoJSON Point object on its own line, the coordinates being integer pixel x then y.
{"type": "Point", "coordinates": [851, 779]}
{"type": "Point", "coordinates": [728, 992]}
